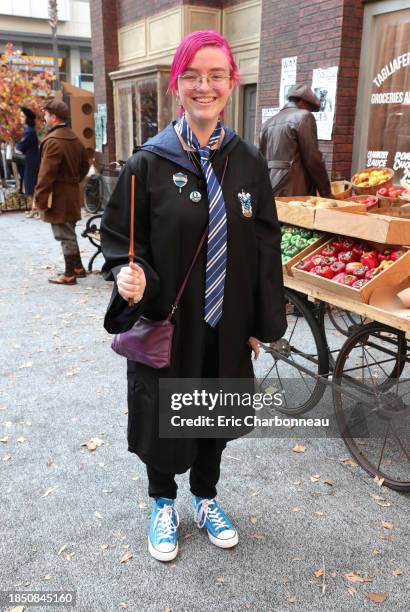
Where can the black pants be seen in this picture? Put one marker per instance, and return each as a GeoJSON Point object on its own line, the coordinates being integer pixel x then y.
{"type": "Point", "coordinates": [205, 470]}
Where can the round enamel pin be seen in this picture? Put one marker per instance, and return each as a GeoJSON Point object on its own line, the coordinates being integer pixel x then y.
{"type": "Point", "coordinates": [195, 196]}
{"type": "Point", "coordinates": [180, 180]}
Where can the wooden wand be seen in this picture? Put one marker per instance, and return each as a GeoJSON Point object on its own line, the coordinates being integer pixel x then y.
{"type": "Point", "coordinates": [131, 254]}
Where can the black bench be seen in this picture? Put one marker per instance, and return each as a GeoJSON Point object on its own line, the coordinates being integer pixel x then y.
{"type": "Point", "coordinates": [92, 232]}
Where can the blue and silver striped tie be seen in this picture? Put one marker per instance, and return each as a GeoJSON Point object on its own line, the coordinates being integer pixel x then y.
{"type": "Point", "coordinates": [217, 225]}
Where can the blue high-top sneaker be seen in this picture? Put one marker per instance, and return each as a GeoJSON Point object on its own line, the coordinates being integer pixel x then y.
{"type": "Point", "coordinates": [163, 534]}
{"type": "Point", "coordinates": [220, 529]}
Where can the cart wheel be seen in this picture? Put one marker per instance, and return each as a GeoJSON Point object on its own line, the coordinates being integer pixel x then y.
{"type": "Point", "coordinates": [336, 324]}
{"type": "Point", "coordinates": [303, 345]}
{"type": "Point", "coordinates": [371, 396]}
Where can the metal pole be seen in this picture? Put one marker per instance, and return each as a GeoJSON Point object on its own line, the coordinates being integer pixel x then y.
{"type": "Point", "coordinates": [53, 20]}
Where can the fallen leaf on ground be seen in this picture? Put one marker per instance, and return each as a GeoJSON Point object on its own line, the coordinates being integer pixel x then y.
{"type": "Point", "coordinates": [328, 482]}
{"type": "Point", "coordinates": [295, 509]}
{"type": "Point", "coordinates": [49, 462]}
{"type": "Point", "coordinates": [318, 573]}
{"type": "Point", "coordinates": [387, 525]}
{"type": "Point", "coordinates": [48, 491]}
{"type": "Point", "coordinates": [125, 558]}
{"type": "Point", "coordinates": [352, 591]}
{"type": "Point", "coordinates": [315, 478]}
{"type": "Point", "coordinates": [93, 443]}
{"type": "Point", "coordinates": [291, 599]}
{"type": "Point", "coordinates": [254, 520]}
{"type": "Point", "coordinates": [378, 481]}
{"type": "Point", "coordinates": [298, 448]}
{"type": "Point", "coordinates": [98, 515]}
{"type": "Point", "coordinates": [62, 549]}
{"type": "Point", "coordinates": [333, 574]}
{"type": "Point", "coordinates": [104, 546]}
{"type": "Point", "coordinates": [397, 572]}
{"type": "Point", "coordinates": [47, 577]}
{"type": "Point", "coordinates": [377, 597]}
{"type": "Point", "coordinates": [143, 505]}
{"type": "Point", "coordinates": [123, 605]}
{"type": "Point", "coordinates": [21, 439]}
{"type": "Point", "coordinates": [17, 609]}
{"type": "Point", "coordinates": [29, 364]}
{"type": "Point", "coordinates": [6, 457]}
{"type": "Point", "coordinates": [348, 461]}
{"type": "Point", "coordinates": [5, 439]}
{"type": "Point", "coordinates": [376, 552]}
{"type": "Point", "coordinates": [352, 577]}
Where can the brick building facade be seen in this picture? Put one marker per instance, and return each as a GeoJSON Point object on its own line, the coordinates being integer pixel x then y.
{"type": "Point", "coordinates": [134, 41]}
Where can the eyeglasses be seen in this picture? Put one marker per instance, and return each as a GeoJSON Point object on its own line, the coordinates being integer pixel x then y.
{"type": "Point", "coordinates": [191, 80]}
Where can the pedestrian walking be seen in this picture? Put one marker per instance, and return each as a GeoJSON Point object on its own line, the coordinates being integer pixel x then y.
{"type": "Point", "coordinates": [289, 143]}
{"type": "Point", "coordinates": [193, 176]}
{"type": "Point", "coordinates": [63, 166]}
{"type": "Point", "coordinates": [28, 146]}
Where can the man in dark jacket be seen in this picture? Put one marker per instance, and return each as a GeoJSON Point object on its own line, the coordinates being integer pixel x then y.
{"type": "Point", "coordinates": [289, 143]}
{"type": "Point", "coordinates": [63, 166]}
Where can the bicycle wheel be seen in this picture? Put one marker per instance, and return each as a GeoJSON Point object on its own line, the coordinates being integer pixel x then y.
{"type": "Point", "coordinates": [301, 350]}
{"type": "Point", "coordinates": [371, 396]}
{"type": "Point", "coordinates": [94, 193]}
{"type": "Point", "coordinates": [337, 324]}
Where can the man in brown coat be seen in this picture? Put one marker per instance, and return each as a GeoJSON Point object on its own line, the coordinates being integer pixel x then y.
{"type": "Point", "coordinates": [63, 166]}
{"type": "Point", "coordinates": [289, 143]}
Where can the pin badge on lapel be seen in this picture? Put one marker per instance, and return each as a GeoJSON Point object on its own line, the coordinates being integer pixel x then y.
{"type": "Point", "coordinates": [180, 180]}
{"type": "Point", "coordinates": [246, 203]}
{"type": "Point", "coordinates": [195, 196]}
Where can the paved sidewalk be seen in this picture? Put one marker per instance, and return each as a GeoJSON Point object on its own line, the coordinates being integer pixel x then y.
{"type": "Point", "coordinates": [70, 516]}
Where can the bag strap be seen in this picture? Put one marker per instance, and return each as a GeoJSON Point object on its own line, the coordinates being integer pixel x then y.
{"type": "Point", "coordinates": [198, 250]}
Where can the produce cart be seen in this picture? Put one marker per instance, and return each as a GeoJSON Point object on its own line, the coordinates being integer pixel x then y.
{"type": "Point", "coordinates": [339, 344]}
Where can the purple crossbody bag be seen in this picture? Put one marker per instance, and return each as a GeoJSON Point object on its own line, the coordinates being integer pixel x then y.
{"type": "Point", "coordinates": [150, 342]}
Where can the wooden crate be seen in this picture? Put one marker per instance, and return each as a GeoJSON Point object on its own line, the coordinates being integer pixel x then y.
{"type": "Point", "coordinates": [393, 275]}
{"type": "Point", "coordinates": [287, 267]}
{"type": "Point", "coordinates": [304, 216]}
{"type": "Point", "coordinates": [380, 225]}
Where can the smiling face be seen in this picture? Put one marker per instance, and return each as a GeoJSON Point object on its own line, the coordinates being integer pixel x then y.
{"type": "Point", "coordinates": [205, 86]}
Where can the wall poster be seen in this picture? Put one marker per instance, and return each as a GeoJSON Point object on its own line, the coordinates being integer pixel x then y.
{"type": "Point", "coordinates": [324, 84]}
{"type": "Point", "coordinates": [287, 78]}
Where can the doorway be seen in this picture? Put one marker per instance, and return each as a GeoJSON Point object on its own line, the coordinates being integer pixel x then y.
{"type": "Point", "coordinates": [249, 113]}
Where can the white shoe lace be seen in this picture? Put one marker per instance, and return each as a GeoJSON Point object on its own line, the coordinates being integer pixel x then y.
{"type": "Point", "coordinates": [165, 522]}
{"type": "Point", "coordinates": [203, 511]}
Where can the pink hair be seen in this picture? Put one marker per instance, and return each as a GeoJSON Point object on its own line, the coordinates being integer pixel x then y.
{"type": "Point", "coordinates": [189, 45]}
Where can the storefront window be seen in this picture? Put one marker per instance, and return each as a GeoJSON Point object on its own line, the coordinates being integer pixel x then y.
{"type": "Point", "coordinates": [148, 105]}
{"type": "Point", "coordinates": [140, 114]}
{"type": "Point", "coordinates": [126, 124]}
{"type": "Point", "coordinates": [387, 104]}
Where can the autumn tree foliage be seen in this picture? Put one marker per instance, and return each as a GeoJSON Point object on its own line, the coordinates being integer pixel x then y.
{"type": "Point", "coordinates": [19, 88]}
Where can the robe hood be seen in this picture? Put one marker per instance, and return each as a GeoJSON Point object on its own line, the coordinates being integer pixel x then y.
{"type": "Point", "coordinates": [166, 144]}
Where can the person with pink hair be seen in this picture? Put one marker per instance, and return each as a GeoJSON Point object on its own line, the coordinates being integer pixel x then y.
{"type": "Point", "coordinates": [204, 212]}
